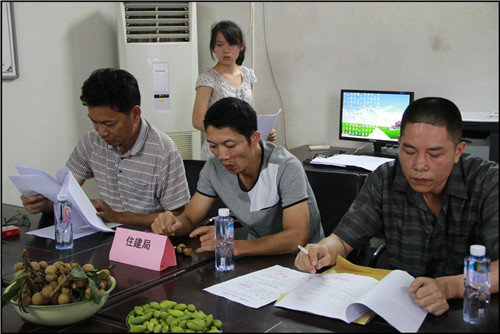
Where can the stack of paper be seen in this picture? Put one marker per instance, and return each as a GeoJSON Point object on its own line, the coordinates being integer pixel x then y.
{"type": "Point", "coordinates": [85, 221]}
{"type": "Point", "coordinates": [344, 160]}
{"type": "Point", "coordinates": [347, 292]}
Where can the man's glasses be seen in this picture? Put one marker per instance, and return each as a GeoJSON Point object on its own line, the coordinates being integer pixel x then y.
{"type": "Point", "coordinates": [19, 219]}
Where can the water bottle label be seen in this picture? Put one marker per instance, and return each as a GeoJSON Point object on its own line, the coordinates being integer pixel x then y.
{"type": "Point", "coordinates": [223, 262]}
{"type": "Point", "coordinates": [67, 215]}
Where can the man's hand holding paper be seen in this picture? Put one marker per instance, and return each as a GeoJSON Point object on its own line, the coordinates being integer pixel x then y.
{"type": "Point", "coordinates": [37, 203]}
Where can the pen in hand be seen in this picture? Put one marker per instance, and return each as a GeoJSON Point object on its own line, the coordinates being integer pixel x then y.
{"type": "Point", "coordinates": [303, 250]}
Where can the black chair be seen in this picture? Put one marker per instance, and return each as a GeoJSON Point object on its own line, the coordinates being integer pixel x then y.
{"type": "Point", "coordinates": [193, 168]}
{"type": "Point", "coordinates": [334, 194]}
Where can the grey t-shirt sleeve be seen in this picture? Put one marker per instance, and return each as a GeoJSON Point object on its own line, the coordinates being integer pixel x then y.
{"type": "Point", "coordinates": [364, 217]}
{"type": "Point", "coordinates": [292, 184]}
{"type": "Point", "coordinates": [204, 185]}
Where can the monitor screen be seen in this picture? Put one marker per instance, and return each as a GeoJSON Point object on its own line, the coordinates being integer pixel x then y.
{"type": "Point", "coordinates": [369, 115]}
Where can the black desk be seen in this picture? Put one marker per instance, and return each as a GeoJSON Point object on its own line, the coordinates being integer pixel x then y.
{"type": "Point", "coordinates": [185, 283]}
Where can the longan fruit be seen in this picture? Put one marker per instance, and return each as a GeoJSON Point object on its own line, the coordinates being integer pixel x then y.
{"type": "Point", "coordinates": [104, 273]}
{"type": "Point", "coordinates": [54, 298]}
{"type": "Point", "coordinates": [102, 291]}
{"type": "Point", "coordinates": [53, 284]}
{"type": "Point", "coordinates": [50, 269]}
{"type": "Point", "coordinates": [63, 299]}
{"type": "Point", "coordinates": [18, 266]}
{"type": "Point", "coordinates": [66, 291]}
{"type": "Point", "coordinates": [37, 299]}
{"type": "Point", "coordinates": [87, 293]}
{"type": "Point", "coordinates": [46, 291]}
{"type": "Point", "coordinates": [79, 283]}
{"type": "Point", "coordinates": [51, 278]}
{"type": "Point", "coordinates": [180, 247]}
{"type": "Point", "coordinates": [43, 265]}
{"type": "Point", "coordinates": [27, 300]}
{"type": "Point", "coordinates": [88, 267]}
{"type": "Point", "coordinates": [35, 265]}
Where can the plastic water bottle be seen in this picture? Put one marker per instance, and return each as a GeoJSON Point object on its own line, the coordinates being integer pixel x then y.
{"type": "Point", "coordinates": [224, 241]}
{"type": "Point", "coordinates": [63, 227]}
{"type": "Point", "coordinates": [477, 282]}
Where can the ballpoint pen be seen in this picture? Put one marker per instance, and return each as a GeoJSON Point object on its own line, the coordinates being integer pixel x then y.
{"type": "Point", "coordinates": [303, 250]}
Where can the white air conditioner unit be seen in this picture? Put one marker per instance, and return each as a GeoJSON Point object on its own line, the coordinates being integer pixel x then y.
{"type": "Point", "coordinates": [158, 44]}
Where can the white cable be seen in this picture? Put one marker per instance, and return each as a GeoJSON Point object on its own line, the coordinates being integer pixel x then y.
{"type": "Point", "coordinates": [272, 74]}
{"type": "Point", "coordinates": [359, 148]}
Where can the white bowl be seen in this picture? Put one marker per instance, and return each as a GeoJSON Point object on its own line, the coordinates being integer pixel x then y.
{"type": "Point", "coordinates": [61, 315]}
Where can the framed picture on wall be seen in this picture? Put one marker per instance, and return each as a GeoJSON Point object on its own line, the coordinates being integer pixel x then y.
{"type": "Point", "coordinates": [10, 69]}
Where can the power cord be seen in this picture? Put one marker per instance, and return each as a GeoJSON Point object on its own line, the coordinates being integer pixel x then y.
{"type": "Point", "coordinates": [272, 75]}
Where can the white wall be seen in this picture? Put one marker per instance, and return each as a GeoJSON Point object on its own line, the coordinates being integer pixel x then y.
{"type": "Point", "coordinates": [58, 46]}
{"type": "Point", "coordinates": [315, 49]}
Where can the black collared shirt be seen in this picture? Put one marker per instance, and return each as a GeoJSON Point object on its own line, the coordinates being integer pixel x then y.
{"type": "Point", "coordinates": [416, 240]}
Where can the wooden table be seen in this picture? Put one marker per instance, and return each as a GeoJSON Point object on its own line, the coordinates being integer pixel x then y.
{"type": "Point", "coordinates": [185, 283]}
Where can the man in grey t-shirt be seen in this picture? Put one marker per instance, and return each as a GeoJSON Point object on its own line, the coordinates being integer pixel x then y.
{"type": "Point", "coordinates": [262, 184]}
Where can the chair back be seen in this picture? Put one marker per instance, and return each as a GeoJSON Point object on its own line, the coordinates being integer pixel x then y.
{"type": "Point", "coordinates": [334, 192]}
{"type": "Point", "coordinates": [193, 168]}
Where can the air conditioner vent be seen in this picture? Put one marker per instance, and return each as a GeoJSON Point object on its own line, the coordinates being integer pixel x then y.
{"type": "Point", "coordinates": [157, 22]}
{"type": "Point", "coordinates": [184, 142]}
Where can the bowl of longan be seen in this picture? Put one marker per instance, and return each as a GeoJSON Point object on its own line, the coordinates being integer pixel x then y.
{"type": "Point", "coordinates": [58, 294]}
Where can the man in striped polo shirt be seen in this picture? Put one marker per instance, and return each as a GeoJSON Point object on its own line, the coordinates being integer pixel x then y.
{"type": "Point", "coordinates": [138, 170]}
{"type": "Point", "coordinates": [431, 204]}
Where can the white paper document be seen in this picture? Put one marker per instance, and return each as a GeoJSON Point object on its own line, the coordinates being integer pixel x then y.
{"type": "Point", "coordinates": [265, 124]}
{"type": "Point", "coordinates": [260, 287]}
{"type": "Point", "coordinates": [348, 296]}
{"type": "Point", "coordinates": [32, 181]}
{"type": "Point", "coordinates": [49, 232]}
{"type": "Point", "coordinates": [344, 160]}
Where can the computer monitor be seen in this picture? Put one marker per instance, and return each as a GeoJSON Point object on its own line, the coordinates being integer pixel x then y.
{"type": "Point", "coordinates": [372, 116]}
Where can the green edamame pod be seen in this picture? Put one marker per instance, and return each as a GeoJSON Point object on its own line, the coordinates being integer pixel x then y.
{"type": "Point", "coordinates": [137, 320]}
{"type": "Point", "coordinates": [137, 329]}
{"type": "Point", "coordinates": [198, 315]}
{"type": "Point", "coordinates": [155, 305]}
{"type": "Point", "coordinates": [217, 323]}
{"type": "Point", "coordinates": [175, 313]}
{"type": "Point", "coordinates": [148, 315]}
{"type": "Point", "coordinates": [154, 321]}
{"type": "Point", "coordinates": [194, 325]}
{"type": "Point", "coordinates": [167, 303]}
{"type": "Point", "coordinates": [176, 329]}
{"type": "Point", "coordinates": [165, 329]}
{"type": "Point", "coordinates": [138, 310]}
{"type": "Point", "coordinates": [151, 326]}
{"type": "Point", "coordinates": [180, 307]}
{"type": "Point", "coordinates": [157, 329]}
{"type": "Point", "coordinates": [191, 308]}
{"type": "Point", "coordinates": [208, 320]}
{"type": "Point", "coordinates": [163, 315]}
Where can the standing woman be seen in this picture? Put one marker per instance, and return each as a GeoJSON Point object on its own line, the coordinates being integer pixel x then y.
{"type": "Point", "coordinates": [226, 79]}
